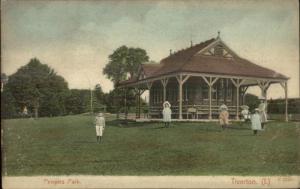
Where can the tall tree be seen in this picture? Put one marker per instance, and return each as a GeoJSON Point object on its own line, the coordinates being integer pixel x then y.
{"type": "Point", "coordinates": [124, 61]}
{"type": "Point", "coordinates": [8, 104]}
{"type": "Point", "coordinates": [78, 101]}
{"type": "Point", "coordinates": [37, 86]}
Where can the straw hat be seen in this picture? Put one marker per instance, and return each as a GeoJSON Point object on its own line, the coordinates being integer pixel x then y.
{"type": "Point", "coordinates": [166, 103]}
{"type": "Point", "coordinates": [100, 114]}
{"type": "Point", "coordinates": [261, 98]}
{"type": "Point", "coordinates": [223, 107]}
{"type": "Point", "coordinates": [256, 110]}
{"type": "Point", "coordinates": [245, 107]}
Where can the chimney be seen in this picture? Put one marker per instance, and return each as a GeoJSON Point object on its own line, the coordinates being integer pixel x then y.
{"type": "Point", "coordinates": [191, 43]}
{"type": "Point", "coordinates": [218, 35]}
{"type": "Point", "coordinates": [170, 51]}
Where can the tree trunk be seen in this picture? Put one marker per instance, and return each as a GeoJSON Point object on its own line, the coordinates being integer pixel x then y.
{"type": "Point", "coordinates": [36, 112]}
{"type": "Point", "coordinates": [36, 108]}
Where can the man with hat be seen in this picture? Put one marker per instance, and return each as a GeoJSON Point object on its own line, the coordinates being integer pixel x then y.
{"type": "Point", "coordinates": [167, 112]}
{"type": "Point", "coordinates": [100, 124]}
{"type": "Point", "coordinates": [262, 112]}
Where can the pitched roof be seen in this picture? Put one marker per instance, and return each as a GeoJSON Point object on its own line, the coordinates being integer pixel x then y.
{"type": "Point", "coordinates": [175, 61]}
{"type": "Point", "coordinates": [188, 60]}
{"type": "Point", "coordinates": [233, 67]}
{"type": "Point", "coordinates": [150, 69]}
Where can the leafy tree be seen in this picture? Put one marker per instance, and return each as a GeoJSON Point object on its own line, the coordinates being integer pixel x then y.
{"type": "Point", "coordinates": [115, 100]}
{"type": "Point", "coordinates": [252, 101]}
{"type": "Point", "coordinates": [78, 101]}
{"type": "Point", "coordinates": [98, 99]}
{"type": "Point", "coordinates": [124, 61]}
{"type": "Point", "coordinates": [8, 104]}
{"type": "Point", "coordinates": [4, 80]}
{"type": "Point", "coordinates": [38, 87]}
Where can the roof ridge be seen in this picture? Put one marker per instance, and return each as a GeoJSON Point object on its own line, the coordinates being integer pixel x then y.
{"type": "Point", "coordinates": [189, 48]}
{"type": "Point", "coordinates": [189, 59]}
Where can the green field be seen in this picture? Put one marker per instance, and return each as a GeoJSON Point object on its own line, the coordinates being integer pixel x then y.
{"type": "Point", "coordinates": [67, 145]}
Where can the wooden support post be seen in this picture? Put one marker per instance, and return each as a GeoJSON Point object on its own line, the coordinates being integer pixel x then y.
{"type": "Point", "coordinates": [210, 82]}
{"type": "Point", "coordinates": [286, 102]}
{"type": "Point", "coordinates": [164, 83]}
{"type": "Point", "coordinates": [139, 103]}
{"type": "Point", "coordinates": [209, 94]}
{"type": "Point", "coordinates": [149, 85]}
{"type": "Point", "coordinates": [285, 87]}
{"type": "Point", "coordinates": [264, 85]}
{"type": "Point", "coordinates": [180, 95]}
{"type": "Point", "coordinates": [181, 80]}
{"type": "Point", "coordinates": [244, 89]}
{"type": "Point", "coordinates": [237, 84]}
{"type": "Point", "coordinates": [125, 103]}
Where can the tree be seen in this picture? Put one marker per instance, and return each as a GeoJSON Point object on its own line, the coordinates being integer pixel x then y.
{"type": "Point", "coordinates": [252, 101]}
{"type": "Point", "coordinates": [98, 99]}
{"type": "Point", "coordinates": [124, 61]}
{"type": "Point", "coordinates": [8, 104]}
{"type": "Point", "coordinates": [4, 80]}
{"type": "Point", "coordinates": [37, 87]}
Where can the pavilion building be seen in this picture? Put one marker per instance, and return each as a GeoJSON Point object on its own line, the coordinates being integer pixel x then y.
{"type": "Point", "coordinates": [200, 78]}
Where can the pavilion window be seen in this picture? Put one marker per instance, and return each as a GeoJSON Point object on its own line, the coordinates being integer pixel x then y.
{"type": "Point", "coordinates": [221, 90]}
{"type": "Point", "coordinates": [185, 95]}
{"type": "Point", "coordinates": [155, 96]}
{"type": "Point", "coordinates": [154, 99]}
{"type": "Point", "coordinates": [214, 93]}
{"type": "Point", "coordinates": [151, 96]}
{"type": "Point", "coordinates": [219, 50]}
{"type": "Point", "coordinates": [229, 90]}
{"type": "Point", "coordinates": [174, 95]}
{"type": "Point", "coordinates": [191, 93]}
{"type": "Point", "coordinates": [159, 96]}
{"type": "Point", "coordinates": [205, 92]}
{"type": "Point", "coordinates": [167, 94]}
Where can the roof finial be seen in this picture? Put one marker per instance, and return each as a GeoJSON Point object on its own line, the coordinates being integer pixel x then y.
{"type": "Point", "coordinates": [218, 35]}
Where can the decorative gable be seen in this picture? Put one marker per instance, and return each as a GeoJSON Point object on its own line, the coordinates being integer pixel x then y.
{"type": "Point", "coordinates": [218, 49]}
{"type": "Point", "coordinates": [142, 75]}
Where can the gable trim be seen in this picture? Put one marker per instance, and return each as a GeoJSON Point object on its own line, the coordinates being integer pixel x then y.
{"type": "Point", "coordinates": [215, 43]}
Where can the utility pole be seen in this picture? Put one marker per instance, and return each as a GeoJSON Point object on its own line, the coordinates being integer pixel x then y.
{"type": "Point", "coordinates": [91, 101]}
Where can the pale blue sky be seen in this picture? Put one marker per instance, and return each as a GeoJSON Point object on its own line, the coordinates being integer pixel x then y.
{"type": "Point", "coordinates": [76, 37]}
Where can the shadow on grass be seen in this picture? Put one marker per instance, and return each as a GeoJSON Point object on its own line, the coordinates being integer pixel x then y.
{"type": "Point", "coordinates": [238, 127]}
{"type": "Point", "coordinates": [84, 141]}
{"type": "Point", "coordinates": [126, 124]}
{"type": "Point", "coordinates": [163, 127]}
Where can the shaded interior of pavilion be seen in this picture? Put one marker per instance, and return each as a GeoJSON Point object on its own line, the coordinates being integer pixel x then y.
{"type": "Point", "coordinates": [197, 96]}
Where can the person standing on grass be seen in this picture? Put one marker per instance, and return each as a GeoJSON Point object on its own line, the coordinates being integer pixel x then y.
{"type": "Point", "coordinates": [100, 125]}
{"type": "Point", "coordinates": [167, 112]}
{"type": "Point", "coordinates": [255, 121]}
{"type": "Point", "coordinates": [262, 112]}
{"type": "Point", "coordinates": [224, 116]}
{"type": "Point", "coordinates": [245, 113]}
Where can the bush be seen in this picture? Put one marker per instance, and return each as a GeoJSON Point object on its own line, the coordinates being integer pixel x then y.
{"type": "Point", "coordinates": [277, 106]}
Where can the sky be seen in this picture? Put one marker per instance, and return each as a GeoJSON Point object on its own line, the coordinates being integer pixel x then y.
{"type": "Point", "coordinates": [75, 38]}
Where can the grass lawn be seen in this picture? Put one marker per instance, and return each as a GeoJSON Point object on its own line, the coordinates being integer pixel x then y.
{"type": "Point", "coordinates": [67, 145]}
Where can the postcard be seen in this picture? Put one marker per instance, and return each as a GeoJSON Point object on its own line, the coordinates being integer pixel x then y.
{"type": "Point", "coordinates": [150, 94]}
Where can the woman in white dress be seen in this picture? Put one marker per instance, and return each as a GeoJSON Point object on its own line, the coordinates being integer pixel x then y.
{"type": "Point", "coordinates": [255, 122]}
{"type": "Point", "coordinates": [167, 112]}
{"type": "Point", "coordinates": [262, 112]}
